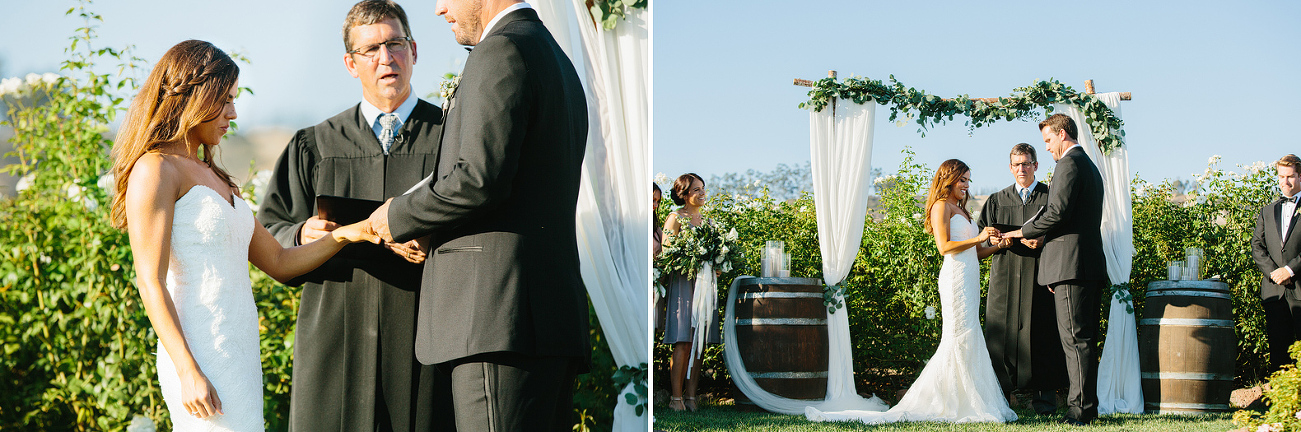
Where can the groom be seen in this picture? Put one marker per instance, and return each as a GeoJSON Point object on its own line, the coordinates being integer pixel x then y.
{"type": "Point", "coordinates": [502, 305]}
{"type": "Point", "coordinates": [1072, 264]}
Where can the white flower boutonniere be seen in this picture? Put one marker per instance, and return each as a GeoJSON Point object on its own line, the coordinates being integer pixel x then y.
{"type": "Point", "coordinates": [447, 89]}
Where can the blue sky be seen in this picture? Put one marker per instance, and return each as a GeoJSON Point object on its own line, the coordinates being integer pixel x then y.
{"type": "Point", "coordinates": [295, 47]}
{"type": "Point", "coordinates": [1208, 77]}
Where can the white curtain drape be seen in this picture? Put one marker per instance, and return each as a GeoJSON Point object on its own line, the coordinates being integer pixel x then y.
{"type": "Point", "coordinates": [613, 220]}
{"type": "Point", "coordinates": [1119, 382]}
{"type": "Point", "coordinates": [841, 145]}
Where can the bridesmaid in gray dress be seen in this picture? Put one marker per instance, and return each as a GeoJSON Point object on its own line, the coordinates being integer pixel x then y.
{"type": "Point", "coordinates": [689, 192]}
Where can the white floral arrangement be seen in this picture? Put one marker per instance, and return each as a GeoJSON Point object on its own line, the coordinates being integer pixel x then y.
{"type": "Point", "coordinates": [692, 247]}
{"type": "Point", "coordinates": [448, 86]}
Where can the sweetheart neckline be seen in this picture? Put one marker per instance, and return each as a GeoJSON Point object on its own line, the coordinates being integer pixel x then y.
{"type": "Point", "coordinates": [231, 203]}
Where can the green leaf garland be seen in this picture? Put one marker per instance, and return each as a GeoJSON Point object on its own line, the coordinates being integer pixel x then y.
{"type": "Point", "coordinates": [928, 110]}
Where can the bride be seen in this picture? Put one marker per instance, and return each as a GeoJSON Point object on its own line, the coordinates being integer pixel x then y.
{"type": "Point", "coordinates": [958, 383]}
{"type": "Point", "coordinates": [192, 238]}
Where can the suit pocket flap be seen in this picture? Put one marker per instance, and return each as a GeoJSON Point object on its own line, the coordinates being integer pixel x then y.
{"type": "Point", "coordinates": [456, 249]}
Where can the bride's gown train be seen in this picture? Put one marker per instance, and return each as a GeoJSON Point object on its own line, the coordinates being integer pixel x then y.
{"type": "Point", "coordinates": [207, 277]}
{"type": "Point", "coordinates": [958, 383]}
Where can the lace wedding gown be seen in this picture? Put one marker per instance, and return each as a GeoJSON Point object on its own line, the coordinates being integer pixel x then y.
{"type": "Point", "coordinates": [207, 277]}
{"type": "Point", "coordinates": [958, 383]}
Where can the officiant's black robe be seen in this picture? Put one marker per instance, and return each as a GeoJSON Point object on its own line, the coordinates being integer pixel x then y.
{"type": "Point", "coordinates": [354, 364]}
{"type": "Point", "coordinates": [1020, 317]}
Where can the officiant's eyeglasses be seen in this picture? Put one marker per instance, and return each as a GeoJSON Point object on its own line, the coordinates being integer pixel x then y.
{"type": "Point", "coordinates": [1024, 164]}
{"type": "Point", "coordinates": [395, 46]}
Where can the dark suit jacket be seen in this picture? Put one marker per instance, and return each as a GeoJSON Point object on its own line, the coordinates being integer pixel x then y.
{"type": "Point", "coordinates": [1272, 252]}
{"type": "Point", "coordinates": [1072, 223]}
{"type": "Point", "coordinates": [503, 275]}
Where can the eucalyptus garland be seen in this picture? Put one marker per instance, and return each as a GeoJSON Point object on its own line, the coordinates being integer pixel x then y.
{"type": "Point", "coordinates": [635, 375]}
{"type": "Point", "coordinates": [609, 12]}
{"type": "Point", "coordinates": [929, 110]}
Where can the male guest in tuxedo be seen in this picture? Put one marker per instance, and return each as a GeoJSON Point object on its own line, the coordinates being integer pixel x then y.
{"type": "Point", "coordinates": [1072, 264]}
{"type": "Point", "coordinates": [354, 368]}
{"type": "Point", "coordinates": [502, 305]}
{"type": "Point", "coordinates": [1020, 316]}
{"type": "Point", "coordinates": [1275, 248]}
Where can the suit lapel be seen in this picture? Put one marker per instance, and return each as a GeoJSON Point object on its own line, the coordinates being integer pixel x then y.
{"type": "Point", "coordinates": [1291, 222]}
{"type": "Point", "coordinates": [1272, 223]}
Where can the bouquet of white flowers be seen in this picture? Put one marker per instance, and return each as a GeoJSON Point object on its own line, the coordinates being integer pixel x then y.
{"type": "Point", "coordinates": [693, 246]}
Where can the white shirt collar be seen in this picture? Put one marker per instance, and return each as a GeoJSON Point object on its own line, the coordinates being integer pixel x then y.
{"type": "Point", "coordinates": [1068, 149]}
{"type": "Point", "coordinates": [512, 8]}
{"type": "Point", "coordinates": [1031, 187]}
{"type": "Point", "coordinates": [371, 112]}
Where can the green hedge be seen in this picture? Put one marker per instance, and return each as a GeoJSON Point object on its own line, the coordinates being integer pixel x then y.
{"type": "Point", "coordinates": [79, 351]}
{"type": "Point", "coordinates": [894, 276]}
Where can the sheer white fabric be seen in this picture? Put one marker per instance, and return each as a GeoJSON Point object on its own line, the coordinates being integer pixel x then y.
{"type": "Point", "coordinates": [958, 384]}
{"type": "Point", "coordinates": [841, 147]}
{"type": "Point", "coordinates": [841, 159]}
{"type": "Point", "coordinates": [613, 220]}
{"type": "Point", "coordinates": [207, 278]}
{"type": "Point", "coordinates": [1120, 387]}
{"type": "Point", "coordinates": [703, 304]}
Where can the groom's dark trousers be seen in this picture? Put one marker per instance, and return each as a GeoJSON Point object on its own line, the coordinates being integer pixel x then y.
{"type": "Point", "coordinates": [1072, 264]}
{"type": "Point", "coordinates": [1079, 300]}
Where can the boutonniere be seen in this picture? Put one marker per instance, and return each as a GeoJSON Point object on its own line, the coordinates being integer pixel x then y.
{"type": "Point", "coordinates": [447, 89]}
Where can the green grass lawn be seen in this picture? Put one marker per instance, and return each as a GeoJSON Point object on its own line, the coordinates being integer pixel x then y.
{"type": "Point", "coordinates": [728, 418]}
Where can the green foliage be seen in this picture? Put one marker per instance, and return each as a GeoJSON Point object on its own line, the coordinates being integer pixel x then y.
{"type": "Point", "coordinates": [609, 12]}
{"type": "Point", "coordinates": [894, 278]}
{"type": "Point", "coordinates": [635, 375]}
{"type": "Point", "coordinates": [929, 110]}
{"type": "Point", "coordinates": [597, 392]}
{"type": "Point", "coordinates": [1284, 397]}
{"type": "Point", "coordinates": [79, 350]}
{"type": "Point", "coordinates": [1218, 215]}
{"type": "Point", "coordinates": [692, 247]}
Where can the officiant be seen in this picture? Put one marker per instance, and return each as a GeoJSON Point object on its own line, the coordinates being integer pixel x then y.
{"type": "Point", "coordinates": [354, 366]}
{"type": "Point", "coordinates": [1020, 317]}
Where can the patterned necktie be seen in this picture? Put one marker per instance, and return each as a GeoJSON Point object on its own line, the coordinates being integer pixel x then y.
{"type": "Point", "coordinates": [388, 122]}
{"type": "Point", "coordinates": [1025, 195]}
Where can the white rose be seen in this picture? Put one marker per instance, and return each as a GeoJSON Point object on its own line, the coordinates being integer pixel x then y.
{"type": "Point", "coordinates": [732, 235]}
{"type": "Point", "coordinates": [50, 78]}
{"type": "Point", "coordinates": [930, 312]}
{"type": "Point", "coordinates": [10, 85]}
{"type": "Point", "coordinates": [33, 79]}
{"type": "Point", "coordinates": [1214, 159]}
{"type": "Point", "coordinates": [661, 178]}
{"type": "Point", "coordinates": [141, 424]}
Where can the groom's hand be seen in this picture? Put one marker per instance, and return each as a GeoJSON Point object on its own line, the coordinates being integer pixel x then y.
{"type": "Point", "coordinates": [1031, 243]}
{"type": "Point", "coordinates": [379, 222]}
{"type": "Point", "coordinates": [1013, 234]}
{"type": "Point", "coordinates": [409, 251]}
{"type": "Point", "coordinates": [1281, 276]}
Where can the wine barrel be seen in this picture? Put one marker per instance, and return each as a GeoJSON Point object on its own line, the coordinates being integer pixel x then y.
{"type": "Point", "coordinates": [781, 335]}
{"type": "Point", "coordinates": [1187, 347]}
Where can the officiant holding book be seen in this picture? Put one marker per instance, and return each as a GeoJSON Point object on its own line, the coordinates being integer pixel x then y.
{"type": "Point", "coordinates": [1020, 317]}
{"type": "Point", "coordinates": [354, 363]}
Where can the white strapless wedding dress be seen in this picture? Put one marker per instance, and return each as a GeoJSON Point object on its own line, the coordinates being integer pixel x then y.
{"type": "Point", "coordinates": [958, 384]}
{"type": "Point", "coordinates": [207, 277]}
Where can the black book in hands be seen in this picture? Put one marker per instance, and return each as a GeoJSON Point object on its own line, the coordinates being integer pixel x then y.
{"type": "Point", "coordinates": [343, 210]}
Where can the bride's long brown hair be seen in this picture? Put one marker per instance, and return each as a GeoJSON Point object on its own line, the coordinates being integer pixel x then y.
{"type": "Point", "coordinates": [188, 86]}
{"type": "Point", "coordinates": [946, 176]}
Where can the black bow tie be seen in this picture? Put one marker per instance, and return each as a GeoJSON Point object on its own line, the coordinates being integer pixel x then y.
{"type": "Point", "coordinates": [1285, 199]}
{"type": "Point", "coordinates": [468, 49]}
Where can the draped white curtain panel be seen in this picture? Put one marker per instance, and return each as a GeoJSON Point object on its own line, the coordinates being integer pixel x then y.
{"type": "Point", "coordinates": [613, 220]}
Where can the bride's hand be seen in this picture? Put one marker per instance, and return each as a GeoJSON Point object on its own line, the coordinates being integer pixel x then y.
{"type": "Point", "coordinates": [987, 233]}
{"type": "Point", "coordinates": [358, 232]}
{"type": "Point", "coordinates": [198, 395]}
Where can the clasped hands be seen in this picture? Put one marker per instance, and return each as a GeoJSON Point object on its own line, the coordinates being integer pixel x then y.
{"type": "Point", "coordinates": [374, 229]}
{"type": "Point", "coordinates": [1004, 240]}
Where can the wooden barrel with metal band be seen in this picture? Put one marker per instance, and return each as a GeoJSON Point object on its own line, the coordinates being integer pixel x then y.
{"type": "Point", "coordinates": [781, 334]}
{"type": "Point", "coordinates": [1187, 347]}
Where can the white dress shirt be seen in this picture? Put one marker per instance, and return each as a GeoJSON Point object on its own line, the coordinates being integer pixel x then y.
{"type": "Point", "coordinates": [1021, 191]}
{"type": "Point", "coordinates": [371, 114]}
{"type": "Point", "coordinates": [508, 9]}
